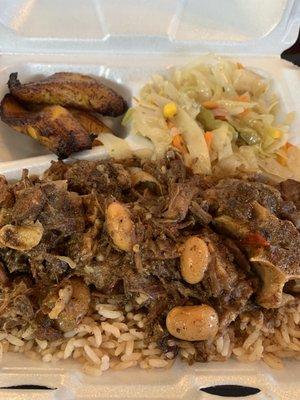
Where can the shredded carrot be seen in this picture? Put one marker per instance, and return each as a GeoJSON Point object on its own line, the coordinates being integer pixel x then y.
{"type": "Point", "coordinates": [244, 113]}
{"type": "Point", "coordinates": [208, 136]}
{"type": "Point", "coordinates": [179, 144]}
{"type": "Point", "coordinates": [244, 97]}
{"type": "Point", "coordinates": [221, 117]}
{"type": "Point", "coordinates": [239, 65]}
{"type": "Point", "coordinates": [287, 146]}
{"type": "Point", "coordinates": [281, 160]}
{"type": "Point", "coordinates": [210, 104]}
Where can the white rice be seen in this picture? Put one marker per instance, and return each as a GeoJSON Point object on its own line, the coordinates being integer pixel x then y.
{"type": "Point", "coordinates": [92, 355]}
{"type": "Point", "coordinates": [47, 358]}
{"type": "Point", "coordinates": [79, 342]}
{"type": "Point", "coordinates": [27, 334]}
{"type": "Point", "coordinates": [97, 335]}
{"type": "Point", "coordinates": [157, 363]}
{"type": "Point", "coordinates": [251, 339]}
{"type": "Point", "coordinates": [104, 363]}
{"type": "Point", "coordinates": [110, 314]}
{"type": "Point", "coordinates": [42, 343]}
{"type": "Point", "coordinates": [129, 347]}
{"type": "Point", "coordinates": [111, 329]}
{"type": "Point", "coordinates": [125, 337]}
{"type": "Point", "coordinates": [135, 333]}
{"type": "Point", "coordinates": [14, 340]}
{"type": "Point", "coordinates": [69, 348]}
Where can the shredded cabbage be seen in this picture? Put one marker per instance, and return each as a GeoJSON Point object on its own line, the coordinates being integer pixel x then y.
{"type": "Point", "coordinates": [227, 117]}
{"type": "Point", "coordinates": [116, 147]}
{"type": "Point", "coordinates": [193, 136]}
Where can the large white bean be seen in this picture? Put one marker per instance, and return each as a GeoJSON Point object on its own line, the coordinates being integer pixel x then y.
{"type": "Point", "coordinates": [194, 260]}
{"type": "Point", "coordinates": [193, 322]}
{"type": "Point", "coordinates": [23, 237]}
{"type": "Point", "coordinates": [120, 226]}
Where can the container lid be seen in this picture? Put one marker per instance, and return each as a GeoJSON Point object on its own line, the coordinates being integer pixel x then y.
{"type": "Point", "coordinates": [130, 26]}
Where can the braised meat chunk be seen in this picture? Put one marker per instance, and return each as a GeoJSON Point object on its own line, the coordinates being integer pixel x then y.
{"type": "Point", "coordinates": [28, 205]}
{"type": "Point", "coordinates": [234, 197]}
{"type": "Point", "coordinates": [63, 210]}
{"type": "Point", "coordinates": [290, 190]}
{"type": "Point", "coordinates": [6, 194]}
{"type": "Point", "coordinates": [272, 244]}
{"type": "Point", "coordinates": [110, 178]}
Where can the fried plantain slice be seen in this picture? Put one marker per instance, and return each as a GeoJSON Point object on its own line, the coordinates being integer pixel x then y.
{"type": "Point", "coordinates": [53, 126]}
{"type": "Point", "coordinates": [90, 121]}
{"type": "Point", "coordinates": [70, 90]}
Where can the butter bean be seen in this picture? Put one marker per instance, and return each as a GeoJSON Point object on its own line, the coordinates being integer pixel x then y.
{"type": "Point", "coordinates": [193, 322]}
{"type": "Point", "coordinates": [194, 260]}
{"type": "Point", "coordinates": [120, 226]}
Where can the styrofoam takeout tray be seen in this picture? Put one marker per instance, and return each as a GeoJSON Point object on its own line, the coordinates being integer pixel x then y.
{"type": "Point", "coordinates": [126, 42]}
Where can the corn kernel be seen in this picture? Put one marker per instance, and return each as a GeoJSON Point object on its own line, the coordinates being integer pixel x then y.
{"type": "Point", "coordinates": [276, 134]}
{"type": "Point", "coordinates": [170, 110]}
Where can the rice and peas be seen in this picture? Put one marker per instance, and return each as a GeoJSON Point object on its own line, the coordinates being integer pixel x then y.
{"type": "Point", "coordinates": [111, 338]}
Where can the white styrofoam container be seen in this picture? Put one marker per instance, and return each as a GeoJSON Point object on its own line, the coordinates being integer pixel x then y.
{"type": "Point", "coordinates": [124, 42]}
